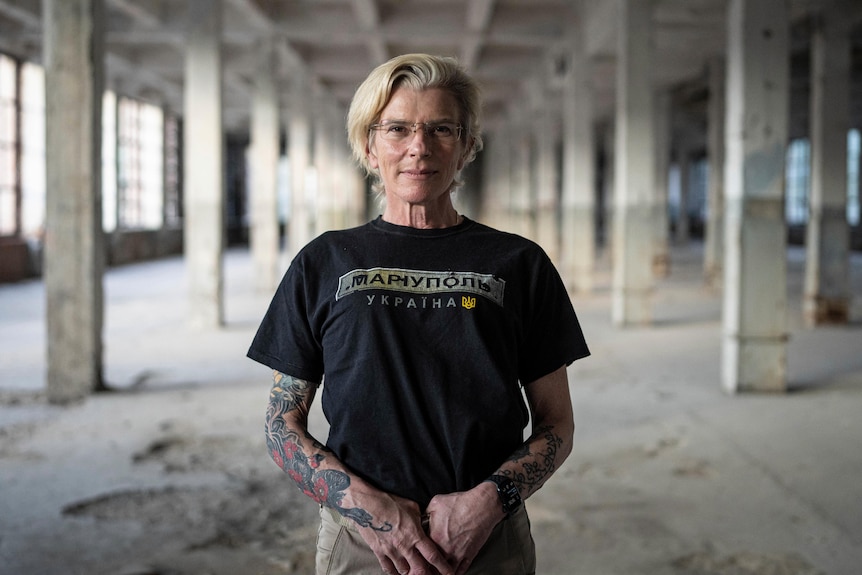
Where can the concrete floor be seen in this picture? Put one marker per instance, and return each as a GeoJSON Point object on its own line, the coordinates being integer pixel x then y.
{"type": "Point", "coordinates": [669, 475]}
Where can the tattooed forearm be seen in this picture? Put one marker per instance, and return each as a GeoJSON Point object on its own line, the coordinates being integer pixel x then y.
{"type": "Point", "coordinates": [534, 468]}
{"type": "Point", "coordinates": [288, 395]}
{"type": "Point", "coordinates": [293, 396]}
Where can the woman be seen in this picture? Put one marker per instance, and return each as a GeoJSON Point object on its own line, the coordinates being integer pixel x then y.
{"type": "Point", "coordinates": [422, 325]}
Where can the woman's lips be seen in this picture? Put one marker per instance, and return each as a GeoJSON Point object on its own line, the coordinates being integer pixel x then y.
{"type": "Point", "coordinates": [418, 173]}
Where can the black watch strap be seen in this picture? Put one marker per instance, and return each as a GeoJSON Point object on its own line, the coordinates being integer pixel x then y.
{"type": "Point", "coordinates": [508, 493]}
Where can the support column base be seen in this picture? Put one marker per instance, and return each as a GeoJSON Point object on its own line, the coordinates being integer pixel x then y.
{"type": "Point", "coordinates": [713, 276]}
{"type": "Point", "coordinates": [754, 364]}
{"type": "Point", "coordinates": [661, 265]}
{"type": "Point", "coordinates": [819, 310]}
{"type": "Point", "coordinates": [632, 308]}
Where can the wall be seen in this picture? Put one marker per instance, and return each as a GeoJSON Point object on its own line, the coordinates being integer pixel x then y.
{"type": "Point", "coordinates": [21, 260]}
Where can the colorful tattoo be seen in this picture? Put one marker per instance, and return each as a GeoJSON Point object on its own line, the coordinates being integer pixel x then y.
{"type": "Point", "coordinates": [536, 467]}
{"type": "Point", "coordinates": [325, 486]}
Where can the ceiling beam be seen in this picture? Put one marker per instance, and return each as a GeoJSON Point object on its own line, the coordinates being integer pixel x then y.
{"type": "Point", "coordinates": [136, 12]}
{"type": "Point", "coordinates": [478, 18]}
{"type": "Point", "coordinates": [252, 13]}
{"type": "Point", "coordinates": [14, 11]}
{"type": "Point", "coordinates": [368, 18]}
{"type": "Point", "coordinates": [121, 68]}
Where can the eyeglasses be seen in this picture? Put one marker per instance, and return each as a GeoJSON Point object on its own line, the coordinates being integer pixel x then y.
{"type": "Point", "coordinates": [444, 132]}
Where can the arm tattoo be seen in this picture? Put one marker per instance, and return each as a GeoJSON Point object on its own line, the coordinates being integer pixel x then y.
{"type": "Point", "coordinates": [536, 467]}
{"type": "Point", "coordinates": [325, 486]}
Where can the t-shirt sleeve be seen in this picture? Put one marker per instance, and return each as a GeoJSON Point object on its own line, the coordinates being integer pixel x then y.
{"type": "Point", "coordinates": [287, 340]}
{"type": "Point", "coordinates": [552, 333]}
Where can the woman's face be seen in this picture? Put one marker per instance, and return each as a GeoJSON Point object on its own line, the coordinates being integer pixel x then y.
{"type": "Point", "coordinates": [418, 170]}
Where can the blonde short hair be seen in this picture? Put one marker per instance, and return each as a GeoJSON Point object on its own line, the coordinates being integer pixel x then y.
{"type": "Point", "coordinates": [417, 72]}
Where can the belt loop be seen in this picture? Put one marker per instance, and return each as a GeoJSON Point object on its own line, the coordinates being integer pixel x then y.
{"type": "Point", "coordinates": [340, 519]}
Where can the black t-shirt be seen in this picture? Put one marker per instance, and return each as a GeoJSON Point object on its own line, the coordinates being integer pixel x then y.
{"type": "Point", "coordinates": [422, 338]}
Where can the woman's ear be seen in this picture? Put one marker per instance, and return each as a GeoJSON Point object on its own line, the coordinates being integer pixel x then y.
{"type": "Point", "coordinates": [463, 160]}
{"type": "Point", "coordinates": [371, 155]}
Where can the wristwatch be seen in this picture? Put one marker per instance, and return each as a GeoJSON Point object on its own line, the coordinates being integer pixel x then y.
{"type": "Point", "coordinates": [508, 492]}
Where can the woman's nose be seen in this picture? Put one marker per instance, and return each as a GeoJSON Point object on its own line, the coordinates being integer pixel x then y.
{"type": "Point", "coordinates": [419, 140]}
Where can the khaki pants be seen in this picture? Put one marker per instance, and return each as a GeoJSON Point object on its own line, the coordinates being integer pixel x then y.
{"type": "Point", "coordinates": [342, 551]}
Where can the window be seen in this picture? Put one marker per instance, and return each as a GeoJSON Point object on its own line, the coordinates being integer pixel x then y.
{"type": "Point", "coordinates": [140, 148]}
{"type": "Point", "coordinates": [33, 187]}
{"type": "Point", "coordinates": [853, 152]}
{"type": "Point", "coordinates": [697, 190]}
{"type": "Point", "coordinates": [109, 161]}
{"type": "Point", "coordinates": [141, 179]}
{"type": "Point", "coordinates": [173, 172]}
{"type": "Point", "coordinates": [798, 177]}
{"type": "Point", "coordinates": [9, 150]}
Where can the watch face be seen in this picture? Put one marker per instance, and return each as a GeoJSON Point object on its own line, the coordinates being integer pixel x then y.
{"type": "Point", "coordinates": [508, 492]}
{"type": "Point", "coordinates": [513, 499]}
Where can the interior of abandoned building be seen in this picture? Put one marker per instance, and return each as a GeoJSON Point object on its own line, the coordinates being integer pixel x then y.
{"type": "Point", "coordinates": [135, 130]}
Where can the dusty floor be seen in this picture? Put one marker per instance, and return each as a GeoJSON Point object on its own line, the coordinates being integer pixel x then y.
{"type": "Point", "coordinates": [169, 474]}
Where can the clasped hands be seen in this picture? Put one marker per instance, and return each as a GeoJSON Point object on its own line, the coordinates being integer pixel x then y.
{"type": "Point", "coordinates": [457, 525]}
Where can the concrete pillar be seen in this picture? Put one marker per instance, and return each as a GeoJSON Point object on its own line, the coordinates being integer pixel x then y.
{"type": "Point", "coordinates": [661, 240]}
{"type": "Point", "coordinates": [299, 155]}
{"type": "Point", "coordinates": [714, 229]}
{"type": "Point", "coordinates": [755, 263]}
{"type": "Point", "coordinates": [635, 168]}
{"type": "Point", "coordinates": [522, 216]}
{"type": "Point", "coordinates": [607, 193]}
{"type": "Point", "coordinates": [327, 206]}
{"type": "Point", "coordinates": [544, 125]}
{"type": "Point", "coordinates": [357, 189]}
{"type": "Point", "coordinates": [346, 212]}
{"type": "Point", "coordinates": [578, 198]}
{"type": "Point", "coordinates": [344, 201]}
{"type": "Point", "coordinates": [352, 178]}
{"type": "Point", "coordinates": [502, 139]}
{"type": "Point", "coordinates": [489, 208]}
{"type": "Point", "coordinates": [265, 135]}
{"type": "Point", "coordinates": [495, 179]}
{"type": "Point", "coordinates": [828, 294]}
{"type": "Point", "coordinates": [203, 143]}
{"type": "Point", "coordinates": [74, 242]}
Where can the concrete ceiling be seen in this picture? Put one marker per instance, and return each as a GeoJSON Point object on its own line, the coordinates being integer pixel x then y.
{"type": "Point", "coordinates": [514, 47]}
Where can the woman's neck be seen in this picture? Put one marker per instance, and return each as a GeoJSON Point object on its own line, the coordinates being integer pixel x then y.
{"type": "Point", "coordinates": [421, 216]}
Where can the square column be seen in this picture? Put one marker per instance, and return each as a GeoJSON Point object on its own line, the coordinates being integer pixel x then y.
{"type": "Point", "coordinates": [495, 179]}
{"type": "Point", "coordinates": [264, 233]}
{"type": "Point", "coordinates": [351, 178]}
{"type": "Point", "coordinates": [634, 167]}
{"type": "Point", "coordinates": [204, 194]}
{"type": "Point", "coordinates": [828, 296]}
{"type": "Point", "coordinates": [299, 155]}
{"type": "Point", "coordinates": [579, 204]}
{"type": "Point", "coordinates": [755, 261]}
{"type": "Point", "coordinates": [330, 203]}
{"type": "Point", "coordinates": [522, 216]}
{"type": "Point", "coordinates": [714, 232]}
{"type": "Point", "coordinates": [545, 175]}
{"type": "Point", "coordinates": [74, 241]}
{"type": "Point", "coordinates": [503, 138]}
{"type": "Point", "coordinates": [663, 129]}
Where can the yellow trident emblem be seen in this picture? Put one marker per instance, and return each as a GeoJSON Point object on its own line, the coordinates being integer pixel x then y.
{"type": "Point", "coordinates": [468, 302]}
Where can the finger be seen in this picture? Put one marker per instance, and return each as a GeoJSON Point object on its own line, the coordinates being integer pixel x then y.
{"type": "Point", "coordinates": [387, 566]}
{"type": "Point", "coordinates": [431, 554]}
{"type": "Point", "coordinates": [402, 567]}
